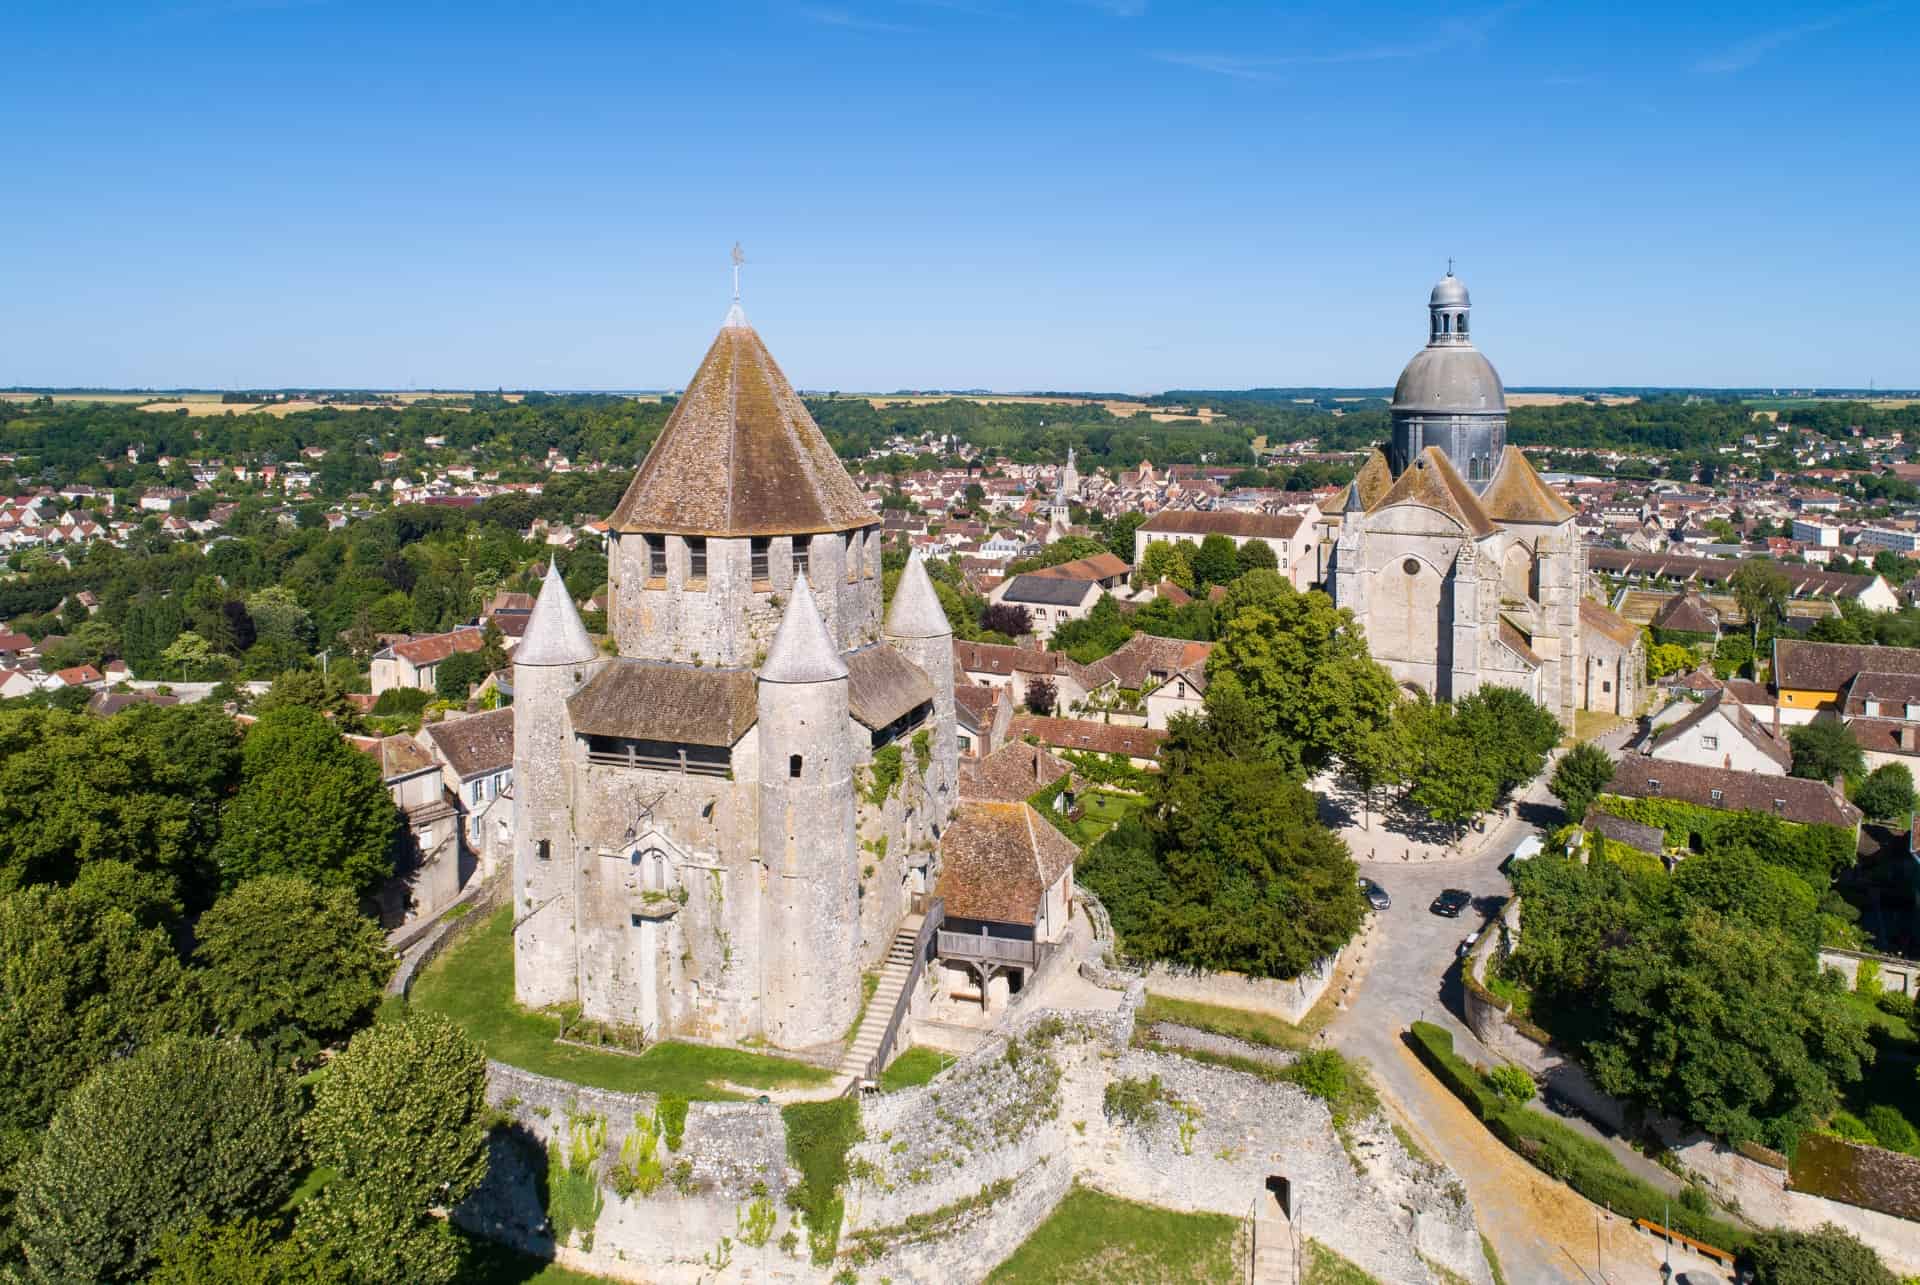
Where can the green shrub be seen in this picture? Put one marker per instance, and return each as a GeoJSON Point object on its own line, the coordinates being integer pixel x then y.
{"type": "Point", "coordinates": [1896, 1004]}
{"type": "Point", "coordinates": [1133, 1100]}
{"type": "Point", "coordinates": [1890, 1129]}
{"type": "Point", "coordinates": [672, 1114]}
{"type": "Point", "coordinates": [574, 1201]}
{"type": "Point", "coordinates": [1434, 1046]}
{"type": "Point", "coordinates": [1328, 1075]}
{"type": "Point", "coordinates": [403, 701]}
{"type": "Point", "coordinates": [1512, 1083]}
{"type": "Point", "coordinates": [1866, 981]}
{"type": "Point", "coordinates": [639, 1171]}
{"type": "Point", "coordinates": [1845, 1124]}
{"type": "Point", "coordinates": [819, 1135]}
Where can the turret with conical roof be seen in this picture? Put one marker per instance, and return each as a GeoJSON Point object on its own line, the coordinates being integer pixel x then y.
{"type": "Point", "coordinates": [554, 659]}
{"type": "Point", "coordinates": [808, 841]}
{"type": "Point", "coordinates": [917, 628]}
{"type": "Point", "coordinates": [741, 493]}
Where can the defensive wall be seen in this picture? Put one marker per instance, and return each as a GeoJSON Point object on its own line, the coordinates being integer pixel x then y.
{"type": "Point", "coordinates": [949, 1178]}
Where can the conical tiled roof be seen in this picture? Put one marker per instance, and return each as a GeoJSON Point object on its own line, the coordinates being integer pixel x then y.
{"type": "Point", "coordinates": [916, 611]}
{"type": "Point", "coordinates": [1432, 482]}
{"type": "Point", "coordinates": [1516, 494]}
{"type": "Point", "coordinates": [554, 633]}
{"type": "Point", "coordinates": [801, 651]}
{"type": "Point", "coordinates": [740, 455]}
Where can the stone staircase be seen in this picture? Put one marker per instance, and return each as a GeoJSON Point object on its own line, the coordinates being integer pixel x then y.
{"type": "Point", "coordinates": [893, 980]}
{"type": "Point", "coordinates": [1274, 1253]}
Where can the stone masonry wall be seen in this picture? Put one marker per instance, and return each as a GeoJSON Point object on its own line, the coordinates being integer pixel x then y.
{"type": "Point", "coordinates": [980, 1157]}
{"type": "Point", "coordinates": [1286, 998]}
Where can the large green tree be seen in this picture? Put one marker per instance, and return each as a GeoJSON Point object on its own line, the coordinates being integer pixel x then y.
{"type": "Point", "coordinates": [1724, 1024]}
{"type": "Point", "coordinates": [1580, 777]}
{"type": "Point", "coordinates": [1887, 793]}
{"type": "Point", "coordinates": [401, 1116]}
{"type": "Point", "coordinates": [290, 965]}
{"type": "Point", "coordinates": [1217, 561]}
{"type": "Point", "coordinates": [309, 804]}
{"type": "Point", "coordinates": [1825, 749]}
{"type": "Point", "coordinates": [1510, 732]}
{"type": "Point", "coordinates": [81, 983]}
{"type": "Point", "coordinates": [1253, 881]}
{"type": "Point", "coordinates": [185, 1129]}
{"type": "Point", "coordinates": [1302, 665]}
{"type": "Point", "coordinates": [1761, 589]}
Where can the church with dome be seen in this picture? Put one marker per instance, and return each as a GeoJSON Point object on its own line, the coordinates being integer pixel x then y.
{"type": "Point", "coordinates": [1463, 567]}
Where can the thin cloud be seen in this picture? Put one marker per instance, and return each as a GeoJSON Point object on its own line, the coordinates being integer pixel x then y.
{"type": "Point", "coordinates": [1219, 65]}
{"type": "Point", "coordinates": [849, 21]}
{"type": "Point", "coordinates": [1747, 52]}
{"type": "Point", "coordinates": [1451, 35]}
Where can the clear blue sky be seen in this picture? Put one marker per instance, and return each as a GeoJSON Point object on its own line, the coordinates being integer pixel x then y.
{"type": "Point", "coordinates": [1113, 194]}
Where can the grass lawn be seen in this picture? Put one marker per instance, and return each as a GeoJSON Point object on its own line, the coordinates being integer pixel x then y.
{"type": "Point", "coordinates": [1104, 809]}
{"type": "Point", "coordinates": [1095, 1239]}
{"type": "Point", "coordinates": [1324, 1267]}
{"type": "Point", "coordinates": [1236, 1023]}
{"type": "Point", "coordinates": [914, 1067]}
{"type": "Point", "coordinates": [472, 983]}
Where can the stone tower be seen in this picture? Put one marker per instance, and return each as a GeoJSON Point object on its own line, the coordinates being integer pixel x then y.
{"type": "Point", "coordinates": [1449, 395]}
{"type": "Point", "coordinates": [917, 627]}
{"type": "Point", "coordinates": [810, 980]}
{"type": "Point", "coordinates": [554, 659]}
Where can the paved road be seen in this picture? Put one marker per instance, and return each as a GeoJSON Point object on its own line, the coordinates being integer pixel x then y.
{"type": "Point", "coordinates": [1542, 1230]}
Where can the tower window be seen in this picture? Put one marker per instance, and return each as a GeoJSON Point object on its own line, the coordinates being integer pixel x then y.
{"type": "Point", "coordinates": [656, 556]}
{"type": "Point", "coordinates": [544, 849]}
{"type": "Point", "coordinates": [793, 766]}
{"type": "Point", "coordinates": [1460, 324]}
{"type": "Point", "coordinates": [757, 556]}
{"type": "Point", "coordinates": [802, 554]}
{"type": "Point", "coordinates": [696, 558]}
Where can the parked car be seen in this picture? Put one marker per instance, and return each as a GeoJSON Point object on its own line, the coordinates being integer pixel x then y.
{"type": "Point", "coordinates": [1451, 902]}
{"type": "Point", "coordinates": [1376, 895]}
{"type": "Point", "coordinates": [1466, 947]}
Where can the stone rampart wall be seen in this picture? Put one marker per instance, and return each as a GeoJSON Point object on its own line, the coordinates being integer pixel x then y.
{"type": "Point", "coordinates": [1901, 976]}
{"type": "Point", "coordinates": [977, 1160]}
{"type": "Point", "coordinates": [1288, 999]}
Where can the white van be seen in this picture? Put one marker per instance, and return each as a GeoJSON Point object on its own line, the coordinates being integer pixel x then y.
{"type": "Point", "coordinates": [1525, 850]}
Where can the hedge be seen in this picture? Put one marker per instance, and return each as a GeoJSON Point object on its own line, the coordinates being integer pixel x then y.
{"type": "Point", "coordinates": [1814, 852]}
{"type": "Point", "coordinates": [1559, 1152]}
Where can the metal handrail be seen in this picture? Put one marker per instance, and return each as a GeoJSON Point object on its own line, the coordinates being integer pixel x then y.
{"type": "Point", "coordinates": [922, 948]}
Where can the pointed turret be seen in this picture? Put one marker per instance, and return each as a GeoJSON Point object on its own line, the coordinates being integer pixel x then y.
{"type": "Point", "coordinates": [555, 634]}
{"type": "Point", "coordinates": [916, 611]}
{"type": "Point", "coordinates": [802, 650]}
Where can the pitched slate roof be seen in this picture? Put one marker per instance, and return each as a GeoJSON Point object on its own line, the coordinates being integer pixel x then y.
{"type": "Point", "coordinates": [1432, 482]}
{"type": "Point", "coordinates": [1051, 591]}
{"type": "Point", "coordinates": [1134, 664]}
{"type": "Point", "coordinates": [1229, 522]}
{"type": "Point", "coordinates": [997, 861]}
{"type": "Point", "coordinates": [1101, 566]}
{"type": "Point", "coordinates": [882, 685]}
{"type": "Point", "coordinates": [1645, 838]}
{"type": "Point", "coordinates": [1516, 642]}
{"type": "Point", "coordinates": [660, 701]}
{"type": "Point", "coordinates": [1003, 658]}
{"type": "Point", "coordinates": [434, 648]}
{"type": "Point", "coordinates": [1788, 797]}
{"type": "Point", "coordinates": [1867, 685]}
{"type": "Point", "coordinates": [1516, 494]}
{"type": "Point", "coordinates": [1829, 667]}
{"type": "Point", "coordinates": [476, 745]}
{"type": "Point", "coordinates": [741, 456]}
{"type": "Point", "coordinates": [1807, 582]}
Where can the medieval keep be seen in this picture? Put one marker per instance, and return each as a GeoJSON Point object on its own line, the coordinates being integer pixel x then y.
{"type": "Point", "coordinates": [719, 825]}
{"type": "Point", "coordinates": [1463, 567]}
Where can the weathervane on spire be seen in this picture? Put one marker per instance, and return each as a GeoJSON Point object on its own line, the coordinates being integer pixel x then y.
{"type": "Point", "coordinates": [739, 257]}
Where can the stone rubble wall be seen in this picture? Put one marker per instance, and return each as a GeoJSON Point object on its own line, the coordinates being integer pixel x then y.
{"type": "Point", "coordinates": [981, 1157]}
{"type": "Point", "coordinates": [1288, 999]}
